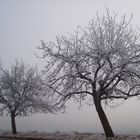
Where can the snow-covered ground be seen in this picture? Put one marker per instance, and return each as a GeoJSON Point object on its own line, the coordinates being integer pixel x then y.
{"type": "Point", "coordinates": [69, 136]}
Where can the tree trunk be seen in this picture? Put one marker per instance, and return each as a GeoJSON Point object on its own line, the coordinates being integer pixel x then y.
{"type": "Point", "coordinates": [13, 123]}
{"type": "Point", "coordinates": [104, 121]}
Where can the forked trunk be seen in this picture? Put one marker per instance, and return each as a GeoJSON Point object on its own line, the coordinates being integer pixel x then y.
{"type": "Point", "coordinates": [104, 121]}
{"type": "Point", "coordinates": [13, 123]}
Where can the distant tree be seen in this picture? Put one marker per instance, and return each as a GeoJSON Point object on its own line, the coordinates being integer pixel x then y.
{"type": "Point", "coordinates": [100, 62]}
{"type": "Point", "coordinates": [21, 92]}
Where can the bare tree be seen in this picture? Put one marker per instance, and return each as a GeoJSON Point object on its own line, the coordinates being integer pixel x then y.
{"type": "Point", "coordinates": [21, 92]}
{"type": "Point", "coordinates": [100, 62]}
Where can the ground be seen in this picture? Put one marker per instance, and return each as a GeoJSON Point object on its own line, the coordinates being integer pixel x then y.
{"type": "Point", "coordinates": [67, 136]}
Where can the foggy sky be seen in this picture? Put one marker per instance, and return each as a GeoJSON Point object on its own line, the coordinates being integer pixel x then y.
{"type": "Point", "coordinates": [23, 23]}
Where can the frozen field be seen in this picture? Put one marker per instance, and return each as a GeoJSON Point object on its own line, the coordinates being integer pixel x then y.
{"type": "Point", "coordinates": [69, 136]}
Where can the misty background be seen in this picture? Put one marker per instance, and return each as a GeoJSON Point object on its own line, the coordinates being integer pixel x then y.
{"type": "Point", "coordinates": [23, 23]}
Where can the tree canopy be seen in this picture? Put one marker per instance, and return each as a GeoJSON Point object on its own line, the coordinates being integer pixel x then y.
{"type": "Point", "coordinates": [21, 91]}
{"type": "Point", "coordinates": [101, 60]}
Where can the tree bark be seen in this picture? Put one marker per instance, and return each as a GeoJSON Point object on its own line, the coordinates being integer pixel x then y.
{"type": "Point", "coordinates": [13, 123]}
{"type": "Point", "coordinates": [103, 118]}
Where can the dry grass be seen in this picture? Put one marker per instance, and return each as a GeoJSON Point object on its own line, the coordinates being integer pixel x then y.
{"type": "Point", "coordinates": [34, 135]}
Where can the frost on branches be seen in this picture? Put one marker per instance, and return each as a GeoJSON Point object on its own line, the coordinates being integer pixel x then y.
{"type": "Point", "coordinates": [21, 92]}
{"type": "Point", "coordinates": [100, 62]}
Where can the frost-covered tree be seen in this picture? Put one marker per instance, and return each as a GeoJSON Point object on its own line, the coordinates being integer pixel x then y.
{"type": "Point", "coordinates": [98, 63]}
{"type": "Point", "coordinates": [21, 92]}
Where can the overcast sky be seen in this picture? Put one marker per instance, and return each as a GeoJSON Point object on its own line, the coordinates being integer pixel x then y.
{"type": "Point", "coordinates": [23, 23]}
